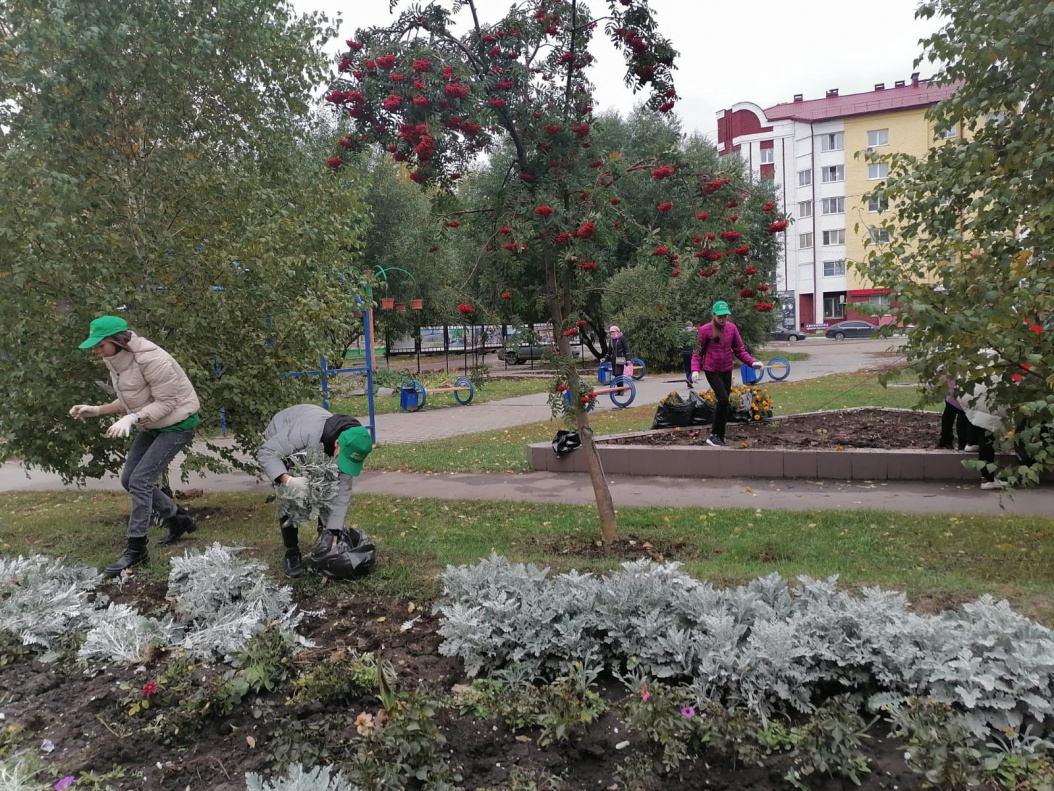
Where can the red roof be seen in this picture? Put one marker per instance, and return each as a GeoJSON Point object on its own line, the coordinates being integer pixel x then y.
{"type": "Point", "coordinates": [902, 98]}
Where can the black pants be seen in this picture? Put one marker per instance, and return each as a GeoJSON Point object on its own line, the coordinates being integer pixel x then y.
{"type": "Point", "coordinates": [686, 359]}
{"type": "Point", "coordinates": [953, 416]}
{"type": "Point", "coordinates": [986, 452]}
{"type": "Point", "coordinates": [721, 383]}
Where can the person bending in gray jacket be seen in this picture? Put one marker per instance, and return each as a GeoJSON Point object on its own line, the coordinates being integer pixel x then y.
{"type": "Point", "coordinates": [296, 429]}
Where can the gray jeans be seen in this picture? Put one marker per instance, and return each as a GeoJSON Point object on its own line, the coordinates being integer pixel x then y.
{"type": "Point", "coordinates": [148, 456]}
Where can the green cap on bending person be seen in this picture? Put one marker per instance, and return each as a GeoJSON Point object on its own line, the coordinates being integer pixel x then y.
{"type": "Point", "coordinates": [355, 445]}
{"type": "Point", "coordinates": [721, 308]}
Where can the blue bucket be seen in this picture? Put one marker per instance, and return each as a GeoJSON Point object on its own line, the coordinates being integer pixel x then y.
{"type": "Point", "coordinates": [604, 373]}
{"type": "Point", "coordinates": [749, 375]}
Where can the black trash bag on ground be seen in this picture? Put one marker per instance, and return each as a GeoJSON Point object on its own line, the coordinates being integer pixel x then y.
{"type": "Point", "coordinates": [343, 554]}
{"type": "Point", "coordinates": [673, 412]}
{"type": "Point", "coordinates": [566, 441]}
{"type": "Point", "coordinates": [702, 410]}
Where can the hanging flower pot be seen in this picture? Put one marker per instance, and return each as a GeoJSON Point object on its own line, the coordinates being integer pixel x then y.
{"type": "Point", "coordinates": [400, 308]}
{"type": "Point", "coordinates": [387, 303]}
{"type": "Point", "coordinates": [417, 304]}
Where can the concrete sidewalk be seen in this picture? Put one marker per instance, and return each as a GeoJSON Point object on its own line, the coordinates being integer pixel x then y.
{"type": "Point", "coordinates": [546, 487]}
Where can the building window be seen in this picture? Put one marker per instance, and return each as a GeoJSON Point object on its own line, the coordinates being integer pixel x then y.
{"type": "Point", "coordinates": [876, 205]}
{"type": "Point", "coordinates": [805, 208]}
{"type": "Point", "coordinates": [833, 268]}
{"type": "Point", "coordinates": [768, 156]}
{"type": "Point", "coordinates": [879, 299]}
{"type": "Point", "coordinates": [805, 241]}
{"type": "Point", "coordinates": [832, 142]}
{"type": "Point", "coordinates": [877, 137]}
{"type": "Point", "coordinates": [879, 235]}
{"type": "Point", "coordinates": [832, 173]}
{"type": "Point", "coordinates": [834, 237]}
{"type": "Point", "coordinates": [834, 307]}
{"type": "Point", "coordinates": [877, 170]}
{"type": "Point", "coordinates": [804, 178]}
{"type": "Point", "coordinates": [834, 206]}
{"type": "Point", "coordinates": [949, 133]}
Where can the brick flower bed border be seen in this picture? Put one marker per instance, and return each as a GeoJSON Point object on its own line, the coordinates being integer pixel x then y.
{"type": "Point", "coordinates": [703, 461]}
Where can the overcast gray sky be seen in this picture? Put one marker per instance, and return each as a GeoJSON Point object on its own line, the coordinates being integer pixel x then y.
{"type": "Point", "coordinates": [763, 51]}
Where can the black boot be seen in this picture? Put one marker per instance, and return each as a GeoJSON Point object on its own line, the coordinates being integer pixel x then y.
{"type": "Point", "coordinates": [134, 552]}
{"type": "Point", "coordinates": [178, 524]}
{"type": "Point", "coordinates": [292, 563]}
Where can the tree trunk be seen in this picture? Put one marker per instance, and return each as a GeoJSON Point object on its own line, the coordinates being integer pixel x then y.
{"type": "Point", "coordinates": [605, 507]}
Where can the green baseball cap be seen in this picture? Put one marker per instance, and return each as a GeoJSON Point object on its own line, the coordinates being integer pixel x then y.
{"type": "Point", "coordinates": [102, 328]}
{"type": "Point", "coordinates": [721, 308]}
{"type": "Point", "coordinates": [355, 445]}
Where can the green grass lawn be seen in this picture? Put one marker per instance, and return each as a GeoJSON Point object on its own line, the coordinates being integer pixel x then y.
{"type": "Point", "coordinates": [938, 560]}
{"type": "Point", "coordinates": [503, 450]}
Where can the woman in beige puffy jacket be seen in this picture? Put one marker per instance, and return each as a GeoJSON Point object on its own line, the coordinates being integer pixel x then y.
{"type": "Point", "coordinates": [155, 396]}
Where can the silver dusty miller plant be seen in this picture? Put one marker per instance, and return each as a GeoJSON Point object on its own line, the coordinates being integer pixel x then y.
{"type": "Point", "coordinates": [220, 601]}
{"type": "Point", "coordinates": [297, 778]}
{"type": "Point", "coordinates": [44, 600]}
{"type": "Point", "coordinates": [765, 645]}
{"type": "Point", "coordinates": [300, 506]}
{"type": "Point", "coordinates": [223, 600]}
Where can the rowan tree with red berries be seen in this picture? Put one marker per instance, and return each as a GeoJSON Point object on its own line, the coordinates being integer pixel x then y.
{"type": "Point", "coordinates": [434, 97]}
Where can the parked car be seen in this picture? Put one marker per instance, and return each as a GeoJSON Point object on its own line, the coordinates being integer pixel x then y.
{"type": "Point", "coordinates": [521, 353]}
{"type": "Point", "coordinates": [784, 334]}
{"type": "Point", "coordinates": [850, 329]}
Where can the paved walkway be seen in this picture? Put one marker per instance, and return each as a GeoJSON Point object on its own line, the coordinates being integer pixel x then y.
{"type": "Point", "coordinates": [796, 495]}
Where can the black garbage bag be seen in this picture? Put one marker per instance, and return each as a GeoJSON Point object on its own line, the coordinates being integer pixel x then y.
{"type": "Point", "coordinates": [566, 441]}
{"type": "Point", "coordinates": [702, 410]}
{"type": "Point", "coordinates": [673, 412]}
{"type": "Point", "coordinates": [343, 554]}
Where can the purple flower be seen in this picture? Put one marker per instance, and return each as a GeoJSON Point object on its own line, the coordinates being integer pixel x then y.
{"type": "Point", "coordinates": [688, 712]}
{"type": "Point", "coordinates": [65, 782]}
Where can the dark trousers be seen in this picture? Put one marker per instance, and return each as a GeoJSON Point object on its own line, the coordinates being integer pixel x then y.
{"type": "Point", "coordinates": [686, 360]}
{"type": "Point", "coordinates": [986, 452]}
{"type": "Point", "coordinates": [953, 416]}
{"type": "Point", "coordinates": [721, 383]}
{"type": "Point", "coordinates": [149, 455]}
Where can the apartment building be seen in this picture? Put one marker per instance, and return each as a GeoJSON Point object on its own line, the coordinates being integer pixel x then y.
{"type": "Point", "coordinates": [809, 149]}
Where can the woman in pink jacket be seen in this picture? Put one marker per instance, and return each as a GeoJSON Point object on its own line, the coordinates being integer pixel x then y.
{"type": "Point", "coordinates": [717, 342]}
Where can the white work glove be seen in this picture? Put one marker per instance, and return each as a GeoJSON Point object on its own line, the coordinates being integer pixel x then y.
{"type": "Point", "coordinates": [297, 483]}
{"type": "Point", "coordinates": [757, 366]}
{"type": "Point", "coordinates": [123, 427]}
{"type": "Point", "coordinates": [695, 377]}
{"type": "Point", "coordinates": [81, 411]}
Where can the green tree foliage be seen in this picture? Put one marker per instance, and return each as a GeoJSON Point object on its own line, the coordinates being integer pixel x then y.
{"type": "Point", "coordinates": [434, 97]}
{"type": "Point", "coordinates": [972, 223]}
{"type": "Point", "coordinates": [654, 317]}
{"type": "Point", "coordinates": [152, 154]}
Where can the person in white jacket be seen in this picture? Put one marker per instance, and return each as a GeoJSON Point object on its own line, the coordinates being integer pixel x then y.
{"type": "Point", "coordinates": [155, 396]}
{"type": "Point", "coordinates": [988, 421]}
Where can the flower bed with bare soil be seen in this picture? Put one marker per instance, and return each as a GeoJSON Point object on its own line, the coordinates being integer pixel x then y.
{"type": "Point", "coordinates": [885, 429]}
{"type": "Point", "coordinates": [677, 686]}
